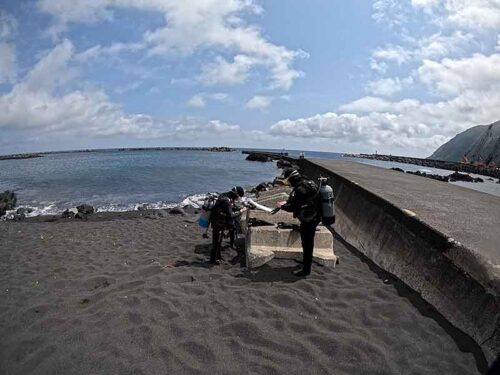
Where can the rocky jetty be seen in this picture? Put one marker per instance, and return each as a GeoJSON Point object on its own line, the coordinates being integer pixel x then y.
{"type": "Point", "coordinates": [259, 157]}
{"type": "Point", "coordinates": [8, 201]}
{"type": "Point", "coordinates": [397, 170]}
{"type": "Point", "coordinates": [20, 156]}
{"type": "Point", "coordinates": [463, 177]}
{"type": "Point", "coordinates": [429, 175]}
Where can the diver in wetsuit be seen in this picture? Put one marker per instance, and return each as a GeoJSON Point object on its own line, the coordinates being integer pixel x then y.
{"type": "Point", "coordinates": [225, 214]}
{"type": "Point", "coordinates": [303, 202]}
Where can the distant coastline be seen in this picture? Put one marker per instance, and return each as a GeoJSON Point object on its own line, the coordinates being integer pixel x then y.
{"type": "Point", "coordinates": [40, 154]}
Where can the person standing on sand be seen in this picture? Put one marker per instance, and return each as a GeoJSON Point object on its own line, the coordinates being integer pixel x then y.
{"type": "Point", "coordinates": [224, 216]}
{"type": "Point", "coordinates": [303, 202]}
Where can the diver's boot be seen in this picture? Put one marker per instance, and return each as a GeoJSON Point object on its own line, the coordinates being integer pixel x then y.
{"type": "Point", "coordinates": [301, 273]}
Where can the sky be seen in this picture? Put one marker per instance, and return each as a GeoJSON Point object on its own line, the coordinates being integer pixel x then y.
{"type": "Point", "coordinates": [395, 77]}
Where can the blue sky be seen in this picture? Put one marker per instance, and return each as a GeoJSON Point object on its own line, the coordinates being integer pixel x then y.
{"type": "Point", "coordinates": [398, 77]}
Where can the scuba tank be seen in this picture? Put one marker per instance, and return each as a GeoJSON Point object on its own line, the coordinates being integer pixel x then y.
{"type": "Point", "coordinates": [326, 198]}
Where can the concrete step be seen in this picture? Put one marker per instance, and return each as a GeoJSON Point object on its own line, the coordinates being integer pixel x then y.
{"type": "Point", "coordinates": [267, 242]}
{"type": "Point", "coordinates": [280, 216]}
{"type": "Point", "coordinates": [271, 200]}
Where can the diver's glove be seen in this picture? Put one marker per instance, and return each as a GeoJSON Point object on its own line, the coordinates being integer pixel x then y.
{"type": "Point", "coordinates": [275, 210]}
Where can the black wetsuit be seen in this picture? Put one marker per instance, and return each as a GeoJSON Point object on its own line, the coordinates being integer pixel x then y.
{"type": "Point", "coordinates": [302, 198]}
{"type": "Point", "coordinates": [224, 216]}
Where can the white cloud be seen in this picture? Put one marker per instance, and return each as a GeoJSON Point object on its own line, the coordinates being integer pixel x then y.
{"type": "Point", "coordinates": [438, 45]}
{"type": "Point", "coordinates": [222, 127]}
{"type": "Point", "coordinates": [8, 67]}
{"type": "Point", "coordinates": [259, 102]}
{"type": "Point", "coordinates": [473, 14]}
{"type": "Point", "coordinates": [99, 51]}
{"type": "Point", "coordinates": [197, 101]}
{"type": "Point", "coordinates": [408, 124]}
{"type": "Point", "coordinates": [451, 77]}
{"type": "Point", "coordinates": [425, 3]}
{"type": "Point", "coordinates": [227, 73]}
{"type": "Point", "coordinates": [387, 86]}
{"type": "Point", "coordinates": [8, 25]}
{"type": "Point", "coordinates": [389, 12]}
{"type": "Point", "coordinates": [192, 26]}
{"type": "Point", "coordinates": [369, 104]}
{"type": "Point", "coordinates": [390, 52]}
{"type": "Point", "coordinates": [200, 100]}
{"type": "Point", "coordinates": [434, 46]}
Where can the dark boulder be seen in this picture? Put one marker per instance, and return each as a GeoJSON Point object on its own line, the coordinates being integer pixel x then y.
{"type": "Point", "coordinates": [456, 176]}
{"type": "Point", "coordinates": [81, 216]}
{"type": "Point", "coordinates": [85, 209]}
{"type": "Point", "coordinates": [283, 164]}
{"type": "Point", "coordinates": [18, 217]}
{"type": "Point", "coordinates": [397, 169]}
{"type": "Point", "coordinates": [24, 210]}
{"type": "Point", "coordinates": [261, 187]}
{"type": "Point", "coordinates": [8, 201]}
{"type": "Point", "coordinates": [177, 211]}
{"type": "Point", "coordinates": [143, 207]}
{"type": "Point", "coordinates": [69, 213]}
{"type": "Point", "coordinates": [258, 157]}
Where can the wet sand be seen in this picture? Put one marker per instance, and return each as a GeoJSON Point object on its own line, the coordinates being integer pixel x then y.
{"type": "Point", "coordinates": [127, 294]}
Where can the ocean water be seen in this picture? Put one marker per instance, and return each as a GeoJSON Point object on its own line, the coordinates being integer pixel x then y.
{"type": "Point", "coordinates": [123, 180]}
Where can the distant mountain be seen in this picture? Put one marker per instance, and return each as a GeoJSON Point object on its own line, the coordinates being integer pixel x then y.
{"type": "Point", "coordinates": [478, 144]}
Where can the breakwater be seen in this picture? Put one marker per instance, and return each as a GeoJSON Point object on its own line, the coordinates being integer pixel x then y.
{"type": "Point", "coordinates": [19, 156]}
{"type": "Point", "coordinates": [450, 165]}
{"type": "Point", "coordinates": [439, 239]}
{"type": "Point", "coordinates": [40, 154]}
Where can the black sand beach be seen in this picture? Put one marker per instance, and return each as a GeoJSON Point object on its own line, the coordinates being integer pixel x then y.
{"type": "Point", "coordinates": [127, 294]}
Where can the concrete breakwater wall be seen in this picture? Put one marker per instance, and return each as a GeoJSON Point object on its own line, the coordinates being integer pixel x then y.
{"type": "Point", "coordinates": [458, 281]}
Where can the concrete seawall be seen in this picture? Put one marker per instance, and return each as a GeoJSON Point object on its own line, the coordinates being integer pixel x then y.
{"type": "Point", "coordinates": [441, 240]}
